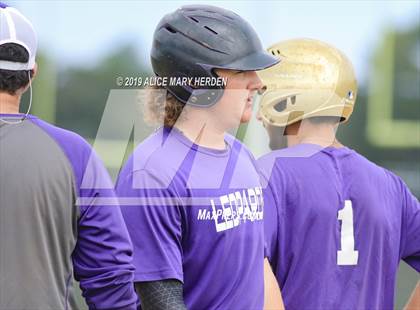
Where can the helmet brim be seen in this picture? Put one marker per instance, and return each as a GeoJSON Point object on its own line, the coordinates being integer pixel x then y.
{"type": "Point", "coordinates": [253, 62]}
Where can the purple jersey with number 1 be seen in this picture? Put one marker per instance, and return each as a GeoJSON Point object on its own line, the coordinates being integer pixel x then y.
{"type": "Point", "coordinates": [337, 226]}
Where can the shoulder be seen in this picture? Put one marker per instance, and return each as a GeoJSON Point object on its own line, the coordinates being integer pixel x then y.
{"type": "Point", "coordinates": [87, 167]}
{"type": "Point", "coordinates": [154, 158]}
{"type": "Point", "coordinates": [373, 170]}
{"type": "Point", "coordinates": [300, 152]}
{"type": "Point", "coordinates": [237, 145]}
{"type": "Point", "coordinates": [371, 175]}
{"type": "Point", "coordinates": [279, 161]}
{"type": "Point", "coordinates": [69, 141]}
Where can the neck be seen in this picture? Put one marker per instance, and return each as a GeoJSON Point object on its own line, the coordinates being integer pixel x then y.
{"type": "Point", "coordinates": [202, 130]}
{"type": "Point", "coordinates": [323, 134]}
{"type": "Point", "coordinates": [9, 104]}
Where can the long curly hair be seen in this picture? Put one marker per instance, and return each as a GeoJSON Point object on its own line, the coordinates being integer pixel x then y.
{"type": "Point", "coordinates": [161, 107]}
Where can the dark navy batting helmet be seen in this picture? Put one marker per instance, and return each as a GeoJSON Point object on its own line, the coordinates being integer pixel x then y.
{"type": "Point", "coordinates": [196, 39]}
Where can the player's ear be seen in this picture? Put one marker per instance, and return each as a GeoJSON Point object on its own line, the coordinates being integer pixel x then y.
{"type": "Point", "coordinates": [34, 71]}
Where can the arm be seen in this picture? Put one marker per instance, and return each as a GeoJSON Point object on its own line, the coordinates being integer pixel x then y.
{"type": "Point", "coordinates": [161, 295]}
{"type": "Point", "coordinates": [102, 258]}
{"type": "Point", "coordinates": [272, 295]}
{"type": "Point", "coordinates": [155, 228]}
{"type": "Point", "coordinates": [102, 255]}
{"type": "Point", "coordinates": [414, 302]}
{"type": "Point", "coordinates": [411, 239]}
{"type": "Point", "coordinates": [154, 225]}
{"type": "Point", "coordinates": [410, 235]}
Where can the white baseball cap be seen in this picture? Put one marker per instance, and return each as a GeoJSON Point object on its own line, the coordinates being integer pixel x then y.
{"type": "Point", "coordinates": [16, 28]}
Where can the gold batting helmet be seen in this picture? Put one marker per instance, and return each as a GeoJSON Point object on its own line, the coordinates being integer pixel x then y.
{"type": "Point", "coordinates": [313, 79]}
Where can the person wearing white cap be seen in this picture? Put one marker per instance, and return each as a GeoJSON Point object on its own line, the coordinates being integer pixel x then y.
{"type": "Point", "coordinates": [18, 43]}
{"type": "Point", "coordinates": [52, 226]}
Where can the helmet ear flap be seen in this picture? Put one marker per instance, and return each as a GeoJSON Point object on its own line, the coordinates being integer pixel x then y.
{"type": "Point", "coordinates": [205, 97]}
{"type": "Point", "coordinates": [199, 96]}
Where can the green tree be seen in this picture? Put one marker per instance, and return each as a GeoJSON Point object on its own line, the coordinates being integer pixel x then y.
{"type": "Point", "coordinates": [83, 92]}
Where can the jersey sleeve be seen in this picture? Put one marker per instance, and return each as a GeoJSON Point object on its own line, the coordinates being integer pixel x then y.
{"type": "Point", "coordinates": [411, 228]}
{"type": "Point", "coordinates": [102, 258]}
{"type": "Point", "coordinates": [153, 217]}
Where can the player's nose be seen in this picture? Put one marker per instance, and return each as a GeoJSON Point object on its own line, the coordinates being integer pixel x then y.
{"type": "Point", "coordinates": [255, 82]}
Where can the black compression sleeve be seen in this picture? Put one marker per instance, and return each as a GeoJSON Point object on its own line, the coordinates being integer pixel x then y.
{"type": "Point", "coordinates": [161, 295]}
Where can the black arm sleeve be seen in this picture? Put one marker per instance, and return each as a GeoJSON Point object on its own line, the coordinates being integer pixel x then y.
{"type": "Point", "coordinates": [161, 295]}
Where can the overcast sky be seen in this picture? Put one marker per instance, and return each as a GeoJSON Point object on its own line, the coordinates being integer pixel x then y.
{"type": "Point", "coordinates": [83, 32]}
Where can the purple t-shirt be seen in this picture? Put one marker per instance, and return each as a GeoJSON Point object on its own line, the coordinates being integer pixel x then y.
{"type": "Point", "coordinates": [336, 228]}
{"type": "Point", "coordinates": [195, 214]}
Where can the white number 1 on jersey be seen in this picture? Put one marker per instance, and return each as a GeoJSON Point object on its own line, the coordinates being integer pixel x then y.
{"type": "Point", "coordinates": [347, 255]}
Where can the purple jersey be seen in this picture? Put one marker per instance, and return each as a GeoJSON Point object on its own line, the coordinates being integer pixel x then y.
{"type": "Point", "coordinates": [336, 228]}
{"type": "Point", "coordinates": [195, 214]}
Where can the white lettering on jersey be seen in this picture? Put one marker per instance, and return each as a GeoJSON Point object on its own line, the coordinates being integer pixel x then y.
{"type": "Point", "coordinates": [234, 208]}
{"type": "Point", "coordinates": [347, 255]}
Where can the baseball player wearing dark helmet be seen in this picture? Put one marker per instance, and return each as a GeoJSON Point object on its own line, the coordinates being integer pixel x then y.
{"type": "Point", "coordinates": [190, 192]}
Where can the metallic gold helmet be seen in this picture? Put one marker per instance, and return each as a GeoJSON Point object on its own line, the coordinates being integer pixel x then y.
{"type": "Point", "coordinates": [313, 79]}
